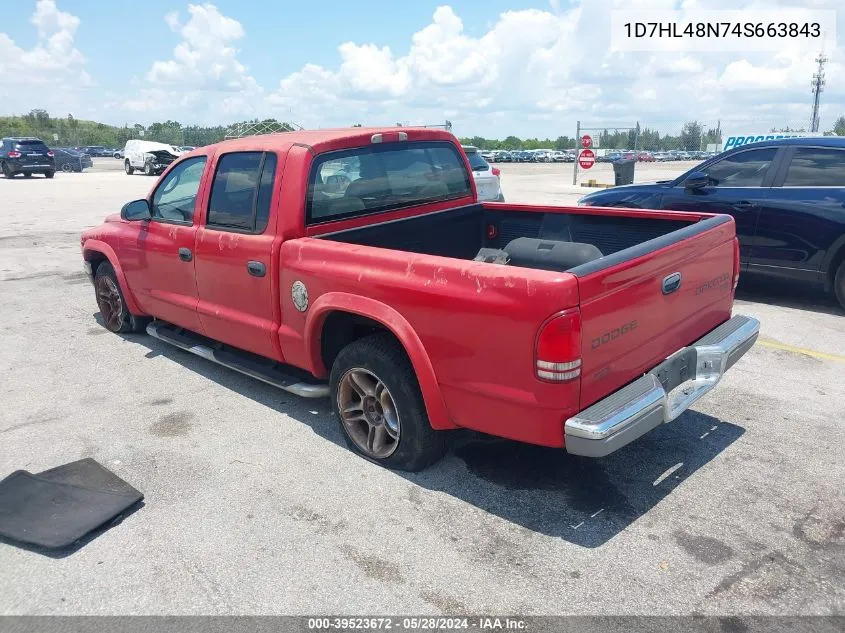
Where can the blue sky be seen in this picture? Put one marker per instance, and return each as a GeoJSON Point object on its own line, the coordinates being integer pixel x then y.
{"type": "Point", "coordinates": [494, 67]}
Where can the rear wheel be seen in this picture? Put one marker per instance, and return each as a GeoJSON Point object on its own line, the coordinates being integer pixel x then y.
{"type": "Point", "coordinates": [839, 284]}
{"type": "Point", "coordinates": [50, 174]}
{"type": "Point", "coordinates": [127, 167]}
{"type": "Point", "coordinates": [113, 309]}
{"type": "Point", "coordinates": [380, 407]}
{"type": "Point", "coordinates": [7, 171]}
{"type": "Point", "coordinates": [27, 174]}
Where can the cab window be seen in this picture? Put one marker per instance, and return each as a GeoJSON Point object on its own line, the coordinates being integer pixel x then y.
{"type": "Point", "coordinates": [241, 192]}
{"type": "Point", "coordinates": [384, 177]}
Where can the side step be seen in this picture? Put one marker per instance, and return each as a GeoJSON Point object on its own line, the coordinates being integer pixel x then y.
{"type": "Point", "coordinates": [264, 369]}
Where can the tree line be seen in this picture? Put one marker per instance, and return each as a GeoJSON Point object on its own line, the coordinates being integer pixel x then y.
{"type": "Point", "coordinates": [71, 132]}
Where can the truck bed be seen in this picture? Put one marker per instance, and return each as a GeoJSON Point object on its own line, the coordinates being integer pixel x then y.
{"type": "Point", "coordinates": [461, 233]}
{"type": "Point", "coordinates": [423, 267]}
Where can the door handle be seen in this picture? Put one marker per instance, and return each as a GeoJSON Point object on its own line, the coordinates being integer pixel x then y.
{"type": "Point", "coordinates": [744, 205]}
{"type": "Point", "coordinates": [256, 269]}
{"type": "Point", "coordinates": [185, 254]}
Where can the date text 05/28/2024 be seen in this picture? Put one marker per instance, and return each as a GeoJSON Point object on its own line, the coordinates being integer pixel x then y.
{"type": "Point", "coordinates": [417, 623]}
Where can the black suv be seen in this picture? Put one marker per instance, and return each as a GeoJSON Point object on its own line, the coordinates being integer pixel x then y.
{"type": "Point", "coordinates": [26, 155]}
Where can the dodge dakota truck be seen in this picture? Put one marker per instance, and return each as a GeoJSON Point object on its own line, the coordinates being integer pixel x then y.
{"type": "Point", "coordinates": [359, 265]}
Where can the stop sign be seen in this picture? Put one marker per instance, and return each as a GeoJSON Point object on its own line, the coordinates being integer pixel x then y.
{"type": "Point", "coordinates": [587, 159]}
{"type": "Point", "coordinates": [587, 141]}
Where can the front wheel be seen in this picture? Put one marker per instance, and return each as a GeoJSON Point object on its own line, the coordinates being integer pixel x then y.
{"type": "Point", "coordinates": [67, 168]}
{"type": "Point", "coordinates": [127, 167]}
{"type": "Point", "coordinates": [110, 300]}
{"type": "Point", "coordinates": [27, 174]}
{"type": "Point", "coordinates": [839, 284]}
{"type": "Point", "coordinates": [380, 407]}
{"type": "Point", "coordinates": [148, 169]}
{"type": "Point", "coordinates": [49, 174]}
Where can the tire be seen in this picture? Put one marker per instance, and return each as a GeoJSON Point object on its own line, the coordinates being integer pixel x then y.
{"type": "Point", "coordinates": [8, 173]}
{"type": "Point", "coordinates": [50, 174]}
{"type": "Point", "coordinates": [27, 174]}
{"type": "Point", "coordinates": [67, 168]}
{"type": "Point", "coordinates": [112, 304]}
{"type": "Point", "coordinates": [839, 285]}
{"type": "Point", "coordinates": [148, 169]}
{"type": "Point", "coordinates": [382, 361]}
{"type": "Point", "coordinates": [127, 167]}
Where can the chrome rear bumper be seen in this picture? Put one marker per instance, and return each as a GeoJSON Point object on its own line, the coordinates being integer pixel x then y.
{"type": "Point", "coordinates": [662, 394]}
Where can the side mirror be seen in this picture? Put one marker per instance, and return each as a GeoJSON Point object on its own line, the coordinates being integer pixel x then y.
{"type": "Point", "coordinates": [136, 210]}
{"type": "Point", "coordinates": [697, 180]}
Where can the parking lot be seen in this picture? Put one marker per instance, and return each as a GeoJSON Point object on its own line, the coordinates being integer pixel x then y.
{"type": "Point", "coordinates": [254, 506]}
{"type": "Point", "coordinates": [551, 183]}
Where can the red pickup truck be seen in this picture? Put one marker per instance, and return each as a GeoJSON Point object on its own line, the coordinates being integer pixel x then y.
{"type": "Point", "coordinates": [358, 264]}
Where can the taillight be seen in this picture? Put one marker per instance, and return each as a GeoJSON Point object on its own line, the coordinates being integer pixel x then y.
{"type": "Point", "coordinates": [14, 154]}
{"type": "Point", "coordinates": [51, 153]}
{"type": "Point", "coordinates": [736, 263]}
{"type": "Point", "coordinates": [496, 171]}
{"type": "Point", "coordinates": [557, 355]}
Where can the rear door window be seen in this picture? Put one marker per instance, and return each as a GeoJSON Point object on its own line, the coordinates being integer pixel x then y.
{"type": "Point", "coordinates": [743, 169]}
{"type": "Point", "coordinates": [816, 167]}
{"type": "Point", "coordinates": [384, 177]}
{"type": "Point", "coordinates": [241, 192]}
{"type": "Point", "coordinates": [477, 162]}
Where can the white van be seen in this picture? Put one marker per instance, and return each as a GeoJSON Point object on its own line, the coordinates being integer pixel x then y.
{"type": "Point", "coordinates": [148, 156]}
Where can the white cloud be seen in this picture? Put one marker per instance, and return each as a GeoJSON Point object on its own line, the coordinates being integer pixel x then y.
{"type": "Point", "coordinates": [204, 77]}
{"type": "Point", "coordinates": [204, 59]}
{"type": "Point", "coordinates": [526, 72]}
{"type": "Point", "coordinates": [535, 65]}
{"type": "Point", "coordinates": [54, 62]}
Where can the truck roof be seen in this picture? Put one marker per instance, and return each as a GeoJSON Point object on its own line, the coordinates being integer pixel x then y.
{"type": "Point", "coordinates": [329, 139]}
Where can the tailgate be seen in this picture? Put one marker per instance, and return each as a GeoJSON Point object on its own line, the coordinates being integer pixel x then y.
{"type": "Point", "coordinates": [646, 302]}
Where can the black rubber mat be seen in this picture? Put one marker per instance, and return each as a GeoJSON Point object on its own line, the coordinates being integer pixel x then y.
{"type": "Point", "coordinates": [57, 507]}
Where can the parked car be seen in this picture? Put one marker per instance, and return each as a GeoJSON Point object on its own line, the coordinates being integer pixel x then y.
{"type": "Point", "coordinates": [645, 157]}
{"type": "Point", "coordinates": [70, 160]}
{"type": "Point", "coordinates": [786, 196]}
{"type": "Point", "coordinates": [97, 151]}
{"type": "Point", "coordinates": [26, 155]}
{"type": "Point", "coordinates": [661, 157]}
{"type": "Point", "coordinates": [404, 300]}
{"type": "Point", "coordinates": [487, 179]}
{"type": "Point", "coordinates": [118, 153]}
{"type": "Point", "coordinates": [148, 156]}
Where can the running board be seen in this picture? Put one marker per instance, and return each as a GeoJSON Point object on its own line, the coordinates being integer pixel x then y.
{"type": "Point", "coordinates": [258, 367]}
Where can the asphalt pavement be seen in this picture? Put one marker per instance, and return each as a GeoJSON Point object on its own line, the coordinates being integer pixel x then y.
{"type": "Point", "coordinates": [254, 506]}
